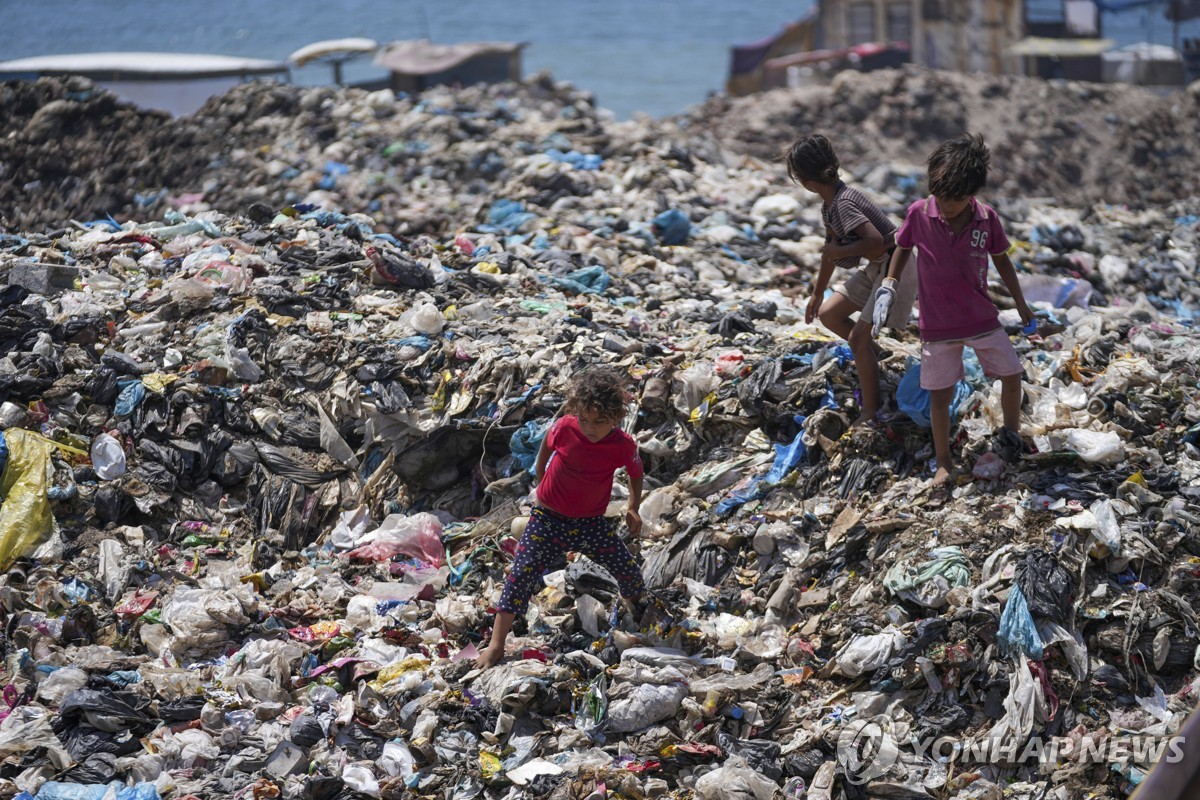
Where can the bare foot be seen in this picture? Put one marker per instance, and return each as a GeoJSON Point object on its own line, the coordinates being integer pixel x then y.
{"type": "Point", "coordinates": [941, 479]}
{"type": "Point", "coordinates": [865, 419]}
{"type": "Point", "coordinates": [490, 657]}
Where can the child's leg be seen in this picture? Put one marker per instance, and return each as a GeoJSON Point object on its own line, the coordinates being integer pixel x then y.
{"type": "Point", "coordinates": [599, 541]}
{"type": "Point", "coordinates": [941, 370]}
{"type": "Point", "coordinates": [939, 415]}
{"type": "Point", "coordinates": [536, 555]}
{"type": "Point", "coordinates": [998, 357]}
{"type": "Point", "coordinates": [863, 347]}
{"type": "Point", "coordinates": [835, 314]}
{"type": "Point", "coordinates": [1010, 401]}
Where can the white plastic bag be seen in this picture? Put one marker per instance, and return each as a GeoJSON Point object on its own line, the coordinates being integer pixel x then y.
{"type": "Point", "coordinates": [647, 705]}
{"type": "Point", "coordinates": [58, 684]}
{"type": "Point", "coordinates": [1108, 530]}
{"type": "Point", "coordinates": [1025, 705]}
{"type": "Point", "coordinates": [735, 781]}
{"type": "Point", "coordinates": [427, 319]}
{"type": "Point", "coordinates": [867, 653]}
{"type": "Point", "coordinates": [1096, 447]}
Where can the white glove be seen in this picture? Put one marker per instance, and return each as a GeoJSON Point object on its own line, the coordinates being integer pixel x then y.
{"type": "Point", "coordinates": [884, 299]}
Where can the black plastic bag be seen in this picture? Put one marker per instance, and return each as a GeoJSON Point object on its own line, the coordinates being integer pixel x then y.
{"type": "Point", "coordinates": [754, 391]}
{"type": "Point", "coordinates": [762, 755]}
{"type": "Point", "coordinates": [1047, 586]}
{"type": "Point", "coordinates": [731, 325]}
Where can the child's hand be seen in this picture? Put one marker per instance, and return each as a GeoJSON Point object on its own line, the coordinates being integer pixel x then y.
{"type": "Point", "coordinates": [634, 522]}
{"type": "Point", "coordinates": [1023, 310]}
{"type": "Point", "coordinates": [813, 308]}
{"type": "Point", "coordinates": [884, 298]}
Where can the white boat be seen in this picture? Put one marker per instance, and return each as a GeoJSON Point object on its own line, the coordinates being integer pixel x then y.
{"type": "Point", "coordinates": [178, 83]}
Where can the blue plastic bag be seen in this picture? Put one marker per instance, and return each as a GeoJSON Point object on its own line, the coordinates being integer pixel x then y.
{"type": "Point", "coordinates": [589, 280]}
{"type": "Point", "coordinates": [506, 216]}
{"type": "Point", "coordinates": [3, 453]}
{"type": "Point", "coordinates": [525, 443]}
{"type": "Point", "coordinates": [53, 790]}
{"type": "Point", "coordinates": [1018, 632]}
{"type": "Point", "coordinates": [915, 401]}
{"type": "Point", "coordinates": [787, 456]}
{"type": "Point", "coordinates": [130, 398]}
{"type": "Point", "coordinates": [672, 227]}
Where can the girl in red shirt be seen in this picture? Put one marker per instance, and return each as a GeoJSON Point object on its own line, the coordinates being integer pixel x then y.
{"type": "Point", "coordinates": [575, 468]}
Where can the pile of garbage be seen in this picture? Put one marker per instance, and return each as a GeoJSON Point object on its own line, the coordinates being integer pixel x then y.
{"type": "Point", "coordinates": [1077, 143]}
{"type": "Point", "coordinates": [70, 150]}
{"type": "Point", "coordinates": [266, 457]}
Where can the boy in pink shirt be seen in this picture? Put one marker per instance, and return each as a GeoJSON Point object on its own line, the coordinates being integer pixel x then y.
{"type": "Point", "coordinates": [955, 234]}
{"type": "Point", "coordinates": [574, 469]}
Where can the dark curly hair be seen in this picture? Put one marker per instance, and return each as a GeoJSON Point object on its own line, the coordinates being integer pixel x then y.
{"type": "Point", "coordinates": [811, 158]}
{"type": "Point", "coordinates": [600, 389]}
{"type": "Point", "coordinates": [959, 168]}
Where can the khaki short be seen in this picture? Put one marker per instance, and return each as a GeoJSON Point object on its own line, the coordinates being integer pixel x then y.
{"type": "Point", "coordinates": [862, 284]}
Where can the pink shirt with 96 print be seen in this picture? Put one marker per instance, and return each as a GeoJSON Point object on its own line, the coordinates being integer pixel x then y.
{"type": "Point", "coordinates": [952, 269]}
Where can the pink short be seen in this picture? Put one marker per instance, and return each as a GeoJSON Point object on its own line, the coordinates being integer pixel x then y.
{"type": "Point", "coordinates": [941, 362]}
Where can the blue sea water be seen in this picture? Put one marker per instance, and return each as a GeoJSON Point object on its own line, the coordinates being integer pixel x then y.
{"type": "Point", "coordinates": [651, 56]}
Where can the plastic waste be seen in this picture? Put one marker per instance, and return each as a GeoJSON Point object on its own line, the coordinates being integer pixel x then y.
{"type": "Point", "coordinates": [25, 515]}
{"type": "Point", "coordinates": [418, 536]}
{"type": "Point", "coordinates": [1095, 446]}
{"type": "Point", "coordinates": [865, 653]}
{"type": "Point", "coordinates": [1059, 292]}
{"type": "Point", "coordinates": [647, 705]}
{"type": "Point", "coordinates": [1018, 633]}
{"type": "Point", "coordinates": [672, 227]}
{"type": "Point", "coordinates": [53, 790]}
{"type": "Point", "coordinates": [526, 441]}
{"type": "Point", "coordinates": [928, 584]}
{"type": "Point", "coordinates": [735, 779]}
{"type": "Point", "coordinates": [915, 401]}
{"type": "Point", "coordinates": [108, 457]}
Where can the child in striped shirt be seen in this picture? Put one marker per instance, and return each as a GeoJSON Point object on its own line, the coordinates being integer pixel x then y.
{"type": "Point", "coordinates": [855, 230]}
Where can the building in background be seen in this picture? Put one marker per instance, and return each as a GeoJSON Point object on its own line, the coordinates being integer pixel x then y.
{"type": "Point", "coordinates": [417, 64]}
{"type": "Point", "coordinates": [1046, 38]}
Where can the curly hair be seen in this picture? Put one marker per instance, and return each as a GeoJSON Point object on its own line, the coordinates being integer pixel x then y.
{"type": "Point", "coordinates": [603, 390]}
{"type": "Point", "coordinates": [811, 158]}
{"type": "Point", "coordinates": [958, 168]}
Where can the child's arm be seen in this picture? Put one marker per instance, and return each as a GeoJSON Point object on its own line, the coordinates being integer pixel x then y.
{"type": "Point", "coordinates": [543, 456]}
{"type": "Point", "coordinates": [819, 286]}
{"type": "Point", "coordinates": [632, 516]}
{"type": "Point", "coordinates": [1008, 274]}
{"type": "Point", "coordinates": [869, 244]}
{"type": "Point", "coordinates": [899, 262]}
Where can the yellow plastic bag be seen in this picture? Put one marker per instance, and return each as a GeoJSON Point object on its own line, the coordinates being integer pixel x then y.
{"type": "Point", "coordinates": [25, 516]}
